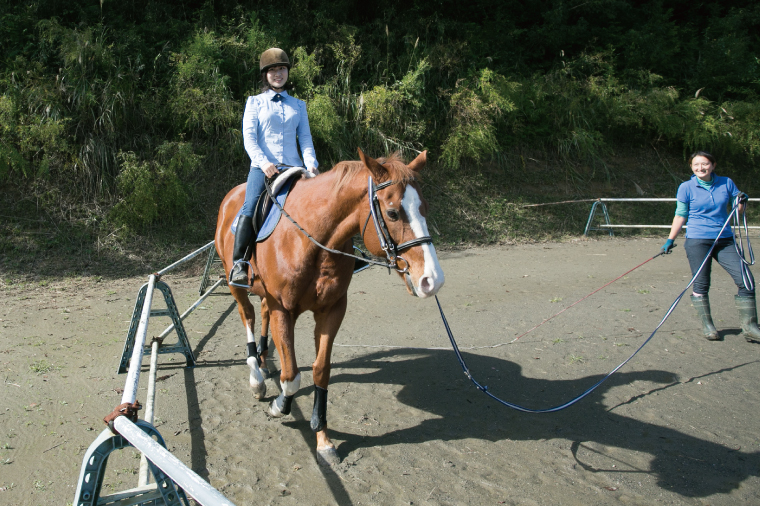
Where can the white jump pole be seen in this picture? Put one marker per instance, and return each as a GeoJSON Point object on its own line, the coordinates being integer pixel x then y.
{"type": "Point", "coordinates": [150, 402]}
{"type": "Point", "coordinates": [186, 258]}
{"type": "Point", "coordinates": [135, 362]}
{"type": "Point", "coordinates": [142, 478]}
{"type": "Point", "coordinates": [189, 481]}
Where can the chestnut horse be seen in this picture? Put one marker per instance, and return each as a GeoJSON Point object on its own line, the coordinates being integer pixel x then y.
{"type": "Point", "coordinates": [294, 275]}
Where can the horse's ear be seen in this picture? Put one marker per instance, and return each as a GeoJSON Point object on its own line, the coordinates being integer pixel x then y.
{"type": "Point", "coordinates": [418, 163]}
{"type": "Point", "coordinates": [377, 170]}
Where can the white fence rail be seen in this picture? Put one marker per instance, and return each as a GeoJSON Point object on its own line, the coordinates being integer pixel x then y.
{"type": "Point", "coordinates": [599, 204]}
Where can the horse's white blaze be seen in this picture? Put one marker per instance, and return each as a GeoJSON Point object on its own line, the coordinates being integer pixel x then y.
{"type": "Point", "coordinates": [432, 278]}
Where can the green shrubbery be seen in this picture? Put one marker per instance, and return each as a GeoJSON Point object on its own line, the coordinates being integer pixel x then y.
{"type": "Point", "coordinates": [159, 190]}
{"type": "Point", "coordinates": [134, 107]}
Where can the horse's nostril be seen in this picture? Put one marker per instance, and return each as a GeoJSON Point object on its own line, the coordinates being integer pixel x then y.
{"type": "Point", "coordinates": [426, 284]}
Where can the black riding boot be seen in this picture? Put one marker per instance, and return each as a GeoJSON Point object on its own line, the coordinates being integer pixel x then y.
{"type": "Point", "coordinates": [241, 253]}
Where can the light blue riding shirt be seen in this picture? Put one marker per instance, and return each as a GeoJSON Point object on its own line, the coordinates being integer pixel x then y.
{"type": "Point", "coordinates": [270, 127]}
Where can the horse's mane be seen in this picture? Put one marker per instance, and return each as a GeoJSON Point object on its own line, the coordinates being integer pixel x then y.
{"type": "Point", "coordinates": [394, 163]}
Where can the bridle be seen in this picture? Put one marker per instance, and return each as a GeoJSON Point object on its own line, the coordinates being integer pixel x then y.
{"type": "Point", "coordinates": [390, 248]}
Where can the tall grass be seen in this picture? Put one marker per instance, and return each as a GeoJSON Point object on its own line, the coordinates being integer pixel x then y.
{"type": "Point", "coordinates": [134, 113]}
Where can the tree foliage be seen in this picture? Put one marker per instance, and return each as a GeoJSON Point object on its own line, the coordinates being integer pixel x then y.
{"type": "Point", "coordinates": [135, 104]}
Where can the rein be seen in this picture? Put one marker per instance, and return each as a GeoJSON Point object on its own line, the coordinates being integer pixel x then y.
{"type": "Point", "coordinates": [386, 241]}
{"type": "Point", "coordinates": [484, 388]}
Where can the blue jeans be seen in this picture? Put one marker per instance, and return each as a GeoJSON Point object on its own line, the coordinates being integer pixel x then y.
{"type": "Point", "coordinates": [253, 188]}
{"type": "Point", "coordinates": [725, 253]}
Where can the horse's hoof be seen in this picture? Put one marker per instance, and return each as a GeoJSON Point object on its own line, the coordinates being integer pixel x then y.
{"type": "Point", "coordinates": [274, 409]}
{"type": "Point", "coordinates": [256, 378]}
{"type": "Point", "coordinates": [328, 457]}
{"type": "Point", "coordinates": [260, 390]}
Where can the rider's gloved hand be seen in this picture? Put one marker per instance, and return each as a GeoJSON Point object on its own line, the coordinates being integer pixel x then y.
{"type": "Point", "coordinates": [743, 197]}
{"type": "Point", "coordinates": [668, 246]}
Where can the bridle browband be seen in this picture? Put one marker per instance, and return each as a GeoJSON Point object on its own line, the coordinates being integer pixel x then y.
{"type": "Point", "coordinates": [386, 241]}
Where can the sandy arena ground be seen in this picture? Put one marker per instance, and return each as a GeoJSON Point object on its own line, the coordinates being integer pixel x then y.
{"type": "Point", "coordinates": [680, 424]}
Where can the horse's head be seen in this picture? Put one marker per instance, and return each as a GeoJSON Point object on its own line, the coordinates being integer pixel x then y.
{"type": "Point", "coordinates": [401, 214]}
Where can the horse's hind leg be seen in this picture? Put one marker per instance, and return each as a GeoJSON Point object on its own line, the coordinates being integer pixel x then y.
{"type": "Point", "coordinates": [248, 315]}
{"type": "Point", "coordinates": [327, 325]}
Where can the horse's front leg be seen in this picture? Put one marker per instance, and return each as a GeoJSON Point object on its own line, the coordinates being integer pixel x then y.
{"type": "Point", "coordinates": [282, 324]}
{"type": "Point", "coordinates": [263, 346]}
{"type": "Point", "coordinates": [248, 315]}
{"type": "Point", "coordinates": [326, 328]}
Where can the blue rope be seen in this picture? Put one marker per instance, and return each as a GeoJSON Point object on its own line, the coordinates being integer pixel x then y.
{"type": "Point", "coordinates": [484, 388]}
{"type": "Point", "coordinates": [746, 275]}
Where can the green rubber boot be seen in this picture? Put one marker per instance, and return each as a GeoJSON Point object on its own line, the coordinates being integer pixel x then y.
{"type": "Point", "coordinates": [702, 305]}
{"type": "Point", "coordinates": [748, 312]}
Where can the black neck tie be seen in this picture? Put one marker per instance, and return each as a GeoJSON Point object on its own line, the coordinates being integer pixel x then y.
{"type": "Point", "coordinates": [277, 98]}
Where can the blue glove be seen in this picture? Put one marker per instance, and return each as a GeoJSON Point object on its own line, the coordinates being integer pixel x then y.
{"type": "Point", "coordinates": [667, 247]}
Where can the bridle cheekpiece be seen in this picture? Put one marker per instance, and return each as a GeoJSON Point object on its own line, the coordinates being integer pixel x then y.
{"type": "Point", "coordinates": [387, 244]}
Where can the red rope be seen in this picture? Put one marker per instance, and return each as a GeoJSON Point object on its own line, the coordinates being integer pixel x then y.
{"type": "Point", "coordinates": [584, 298]}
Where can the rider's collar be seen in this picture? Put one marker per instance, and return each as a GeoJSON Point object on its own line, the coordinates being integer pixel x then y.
{"type": "Point", "coordinates": [270, 93]}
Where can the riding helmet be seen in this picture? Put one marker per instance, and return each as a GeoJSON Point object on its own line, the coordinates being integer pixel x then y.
{"type": "Point", "coordinates": [273, 57]}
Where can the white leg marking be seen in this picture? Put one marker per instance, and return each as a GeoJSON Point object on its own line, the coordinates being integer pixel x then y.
{"type": "Point", "coordinates": [432, 278]}
{"type": "Point", "coordinates": [256, 378]}
{"type": "Point", "coordinates": [291, 387]}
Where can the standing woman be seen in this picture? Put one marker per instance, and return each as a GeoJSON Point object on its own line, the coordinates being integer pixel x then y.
{"type": "Point", "coordinates": [274, 125]}
{"type": "Point", "coordinates": [704, 201]}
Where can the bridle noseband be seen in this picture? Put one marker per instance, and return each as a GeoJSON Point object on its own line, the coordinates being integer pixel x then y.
{"type": "Point", "coordinates": [390, 248]}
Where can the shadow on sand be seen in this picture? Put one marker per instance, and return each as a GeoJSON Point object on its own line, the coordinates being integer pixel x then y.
{"type": "Point", "coordinates": [681, 463]}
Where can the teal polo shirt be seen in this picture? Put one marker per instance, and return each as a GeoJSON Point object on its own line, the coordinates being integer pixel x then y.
{"type": "Point", "coordinates": [708, 208]}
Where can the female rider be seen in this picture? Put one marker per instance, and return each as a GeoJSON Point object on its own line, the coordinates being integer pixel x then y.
{"type": "Point", "coordinates": [272, 122]}
{"type": "Point", "coordinates": [704, 201]}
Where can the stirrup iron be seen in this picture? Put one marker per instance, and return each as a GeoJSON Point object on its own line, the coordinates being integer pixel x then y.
{"type": "Point", "coordinates": [240, 285]}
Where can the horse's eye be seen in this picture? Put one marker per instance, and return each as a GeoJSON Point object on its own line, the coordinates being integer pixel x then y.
{"type": "Point", "coordinates": [392, 214]}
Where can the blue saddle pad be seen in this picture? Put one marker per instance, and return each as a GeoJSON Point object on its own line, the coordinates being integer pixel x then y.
{"type": "Point", "coordinates": [273, 217]}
